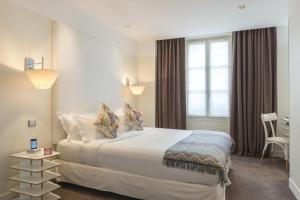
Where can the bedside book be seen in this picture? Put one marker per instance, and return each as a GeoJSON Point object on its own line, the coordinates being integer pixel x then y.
{"type": "Point", "coordinates": [34, 176]}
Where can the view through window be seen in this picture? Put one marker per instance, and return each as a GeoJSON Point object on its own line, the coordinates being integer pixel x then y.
{"type": "Point", "coordinates": [208, 77]}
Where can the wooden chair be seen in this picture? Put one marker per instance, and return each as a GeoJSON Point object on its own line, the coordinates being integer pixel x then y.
{"type": "Point", "coordinates": [283, 142]}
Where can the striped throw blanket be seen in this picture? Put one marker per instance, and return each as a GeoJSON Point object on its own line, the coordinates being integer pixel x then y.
{"type": "Point", "coordinates": [201, 151]}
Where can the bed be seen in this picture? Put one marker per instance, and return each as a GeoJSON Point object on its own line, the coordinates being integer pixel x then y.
{"type": "Point", "coordinates": [131, 165]}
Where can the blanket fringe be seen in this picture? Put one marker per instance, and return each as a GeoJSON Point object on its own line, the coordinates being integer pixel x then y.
{"type": "Point", "coordinates": [197, 167]}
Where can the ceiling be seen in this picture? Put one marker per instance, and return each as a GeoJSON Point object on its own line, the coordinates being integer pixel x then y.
{"type": "Point", "coordinates": [160, 19]}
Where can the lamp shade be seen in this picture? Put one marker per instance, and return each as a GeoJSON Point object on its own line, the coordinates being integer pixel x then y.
{"type": "Point", "coordinates": [137, 89]}
{"type": "Point", "coordinates": [42, 78]}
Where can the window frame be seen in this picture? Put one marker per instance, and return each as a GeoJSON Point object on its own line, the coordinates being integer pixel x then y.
{"type": "Point", "coordinates": [207, 41]}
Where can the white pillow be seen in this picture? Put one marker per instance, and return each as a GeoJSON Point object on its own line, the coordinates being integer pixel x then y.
{"type": "Point", "coordinates": [68, 124]}
{"type": "Point", "coordinates": [86, 127]}
{"type": "Point", "coordinates": [123, 126]}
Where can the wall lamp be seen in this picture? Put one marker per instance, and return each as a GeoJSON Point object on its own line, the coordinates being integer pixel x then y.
{"type": "Point", "coordinates": [40, 78]}
{"type": "Point", "coordinates": [134, 86]}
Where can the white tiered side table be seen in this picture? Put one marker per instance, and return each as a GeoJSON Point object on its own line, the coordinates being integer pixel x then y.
{"type": "Point", "coordinates": [34, 176]}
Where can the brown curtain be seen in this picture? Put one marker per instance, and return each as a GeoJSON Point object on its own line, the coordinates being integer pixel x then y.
{"type": "Point", "coordinates": [170, 84]}
{"type": "Point", "coordinates": [254, 87]}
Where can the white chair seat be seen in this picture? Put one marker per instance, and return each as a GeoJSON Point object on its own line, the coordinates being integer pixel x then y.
{"type": "Point", "coordinates": [281, 140]}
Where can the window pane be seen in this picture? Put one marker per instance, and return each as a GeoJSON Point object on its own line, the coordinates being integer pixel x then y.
{"type": "Point", "coordinates": [219, 78]}
{"type": "Point", "coordinates": [196, 55]}
{"type": "Point", "coordinates": [219, 53]}
{"type": "Point", "coordinates": [197, 103]}
{"type": "Point", "coordinates": [196, 79]}
{"type": "Point", "coordinates": [219, 104]}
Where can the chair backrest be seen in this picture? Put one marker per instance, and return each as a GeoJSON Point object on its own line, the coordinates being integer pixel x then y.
{"type": "Point", "coordinates": [270, 117]}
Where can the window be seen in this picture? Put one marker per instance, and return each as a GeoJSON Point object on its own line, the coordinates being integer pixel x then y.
{"type": "Point", "coordinates": [208, 77]}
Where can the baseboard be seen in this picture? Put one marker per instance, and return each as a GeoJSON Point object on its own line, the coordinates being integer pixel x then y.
{"type": "Point", "coordinates": [294, 188]}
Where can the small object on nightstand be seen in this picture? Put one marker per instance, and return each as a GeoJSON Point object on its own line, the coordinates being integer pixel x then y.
{"type": "Point", "coordinates": [47, 151]}
{"type": "Point", "coordinates": [33, 146]}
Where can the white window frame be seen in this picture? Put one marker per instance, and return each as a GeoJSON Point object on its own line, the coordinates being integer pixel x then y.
{"type": "Point", "coordinates": [207, 40]}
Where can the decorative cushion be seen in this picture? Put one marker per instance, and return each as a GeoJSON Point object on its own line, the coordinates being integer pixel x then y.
{"type": "Point", "coordinates": [86, 128]}
{"type": "Point", "coordinates": [133, 118]}
{"type": "Point", "coordinates": [107, 122]}
{"type": "Point", "coordinates": [123, 126]}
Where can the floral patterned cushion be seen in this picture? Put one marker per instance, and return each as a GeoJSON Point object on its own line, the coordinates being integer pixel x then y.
{"type": "Point", "coordinates": [133, 118]}
{"type": "Point", "coordinates": [107, 122]}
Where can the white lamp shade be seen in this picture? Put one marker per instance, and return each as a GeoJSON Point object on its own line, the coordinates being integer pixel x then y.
{"type": "Point", "coordinates": [137, 89]}
{"type": "Point", "coordinates": [42, 78]}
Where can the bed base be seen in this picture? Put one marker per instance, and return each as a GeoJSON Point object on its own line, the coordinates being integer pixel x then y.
{"type": "Point", "coordinates": [136, 186]}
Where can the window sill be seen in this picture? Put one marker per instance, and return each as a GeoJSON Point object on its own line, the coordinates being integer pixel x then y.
{"type": "Point", "coordinates": [206, 118]}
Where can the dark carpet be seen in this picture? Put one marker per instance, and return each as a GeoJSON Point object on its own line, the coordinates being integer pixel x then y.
{"type": "Point", "coordinates": [251, 180]}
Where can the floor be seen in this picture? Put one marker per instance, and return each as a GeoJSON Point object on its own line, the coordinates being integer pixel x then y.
{"type": "Point", "coordinates": [251, 180]}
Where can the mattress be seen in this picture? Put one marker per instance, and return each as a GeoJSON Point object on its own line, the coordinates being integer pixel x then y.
{"type": "Point", "coordinates": [135, 152]}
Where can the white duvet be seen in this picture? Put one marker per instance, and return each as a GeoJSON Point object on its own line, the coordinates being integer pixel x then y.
{"type": "Point", "coordinates": [136, 152]}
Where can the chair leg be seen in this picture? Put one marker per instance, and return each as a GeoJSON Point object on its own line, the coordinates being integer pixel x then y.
{"type": "Point", "coordinates": [272, 149]}
{"type": "Point", "coordinates": [265, 148]}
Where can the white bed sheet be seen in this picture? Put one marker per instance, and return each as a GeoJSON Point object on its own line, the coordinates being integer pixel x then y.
{"type": "Point", "coordinates": [135, 152]}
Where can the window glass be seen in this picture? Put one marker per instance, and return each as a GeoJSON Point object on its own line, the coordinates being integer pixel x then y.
{"type": "Point", "coordinates": [208, 80]}
{"type": "Point", "coordinates": [218, 104]}
{"type": "Point", "coordinates": [196, 55]}
{"type": "Point", "coordinates": [196, 80]}
{"type": "Point", "coordinates": [197, 104]}
{"type": "Point", "coordinates": [219, 53]}
{"type": "Point", "coordinates": [219, 78]}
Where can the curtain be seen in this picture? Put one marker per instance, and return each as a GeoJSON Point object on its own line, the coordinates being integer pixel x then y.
{"type": "Point", "coordinates": [170, 94]}
{"type": "Point", "coordinates": [254, 87]}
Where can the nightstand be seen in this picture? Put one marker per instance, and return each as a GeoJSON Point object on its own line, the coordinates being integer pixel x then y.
{"type": "Point", "coordinates": [35, 176]}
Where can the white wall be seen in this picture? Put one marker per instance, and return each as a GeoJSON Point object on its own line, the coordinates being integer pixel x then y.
{"type": "Point", "coordinates": [146, 75]}
{"type": "Point", "coordinates": [283, 87]}
{"type": "Point", "coordinates": [146, 102]}
{"type": "Point", "coordinates": [63, 11]}
{"type": "Point", "coordinates": [294, 64]}
{"type": "Point", "coordinates": [22, 33]}
{"type": "Point", "coordinates": [91, 71]}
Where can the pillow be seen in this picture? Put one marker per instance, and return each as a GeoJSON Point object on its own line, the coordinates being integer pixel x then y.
{"type": "Point", "coordinates": [68, 124]}
{"type": "Point", "coordinates": [107, 122]}
{"type": "Point", "coordinates": [133, 118]}
{"type": "Point", "coordinates": [123, 126]}
{"type": "Point", "coordinates": [86, 128]}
